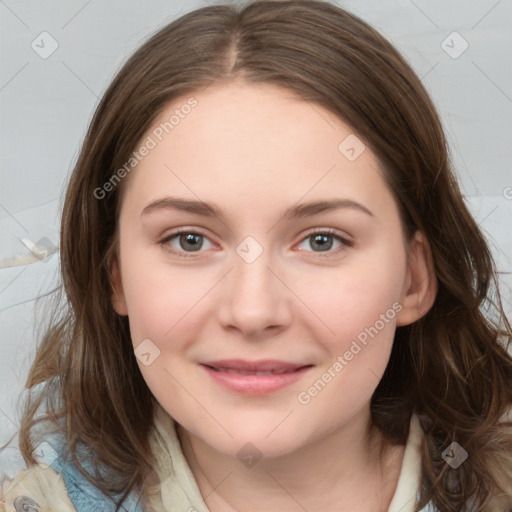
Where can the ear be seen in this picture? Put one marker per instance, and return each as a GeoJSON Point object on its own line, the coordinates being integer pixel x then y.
{"type": "Point", "coordinates": [118, 298]}
{"type": "Point", "coordinates": [420, 285]}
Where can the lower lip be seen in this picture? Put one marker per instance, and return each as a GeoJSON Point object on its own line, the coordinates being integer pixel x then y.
{"type": "Point", "coordinates": [256, 384]}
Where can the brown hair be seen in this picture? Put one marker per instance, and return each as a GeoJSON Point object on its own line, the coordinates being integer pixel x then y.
{"type": "Point", "coordinates": [451, 367]}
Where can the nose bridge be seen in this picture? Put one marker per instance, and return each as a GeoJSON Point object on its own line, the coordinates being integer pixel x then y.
{"type": "Point", "coordinates": [252, 277]}
{"type": "Point", "coordinates": [255, 299]}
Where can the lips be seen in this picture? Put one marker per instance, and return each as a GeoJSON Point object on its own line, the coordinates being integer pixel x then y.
{"type": "Point", "coordinates": [241, 372]}
{"type": "Point", "coordinates": [255, 377]}
{"type": "Point", "coordinates": [264, 367]}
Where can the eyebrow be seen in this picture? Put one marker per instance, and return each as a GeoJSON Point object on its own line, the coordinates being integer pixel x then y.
{"type": "Point", "coordinates": [212, 210]}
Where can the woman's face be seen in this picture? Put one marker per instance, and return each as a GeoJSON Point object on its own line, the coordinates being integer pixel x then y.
{"type": "Point", "coordinates": [268, 271]}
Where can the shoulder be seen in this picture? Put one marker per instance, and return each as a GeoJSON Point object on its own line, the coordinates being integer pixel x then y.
{"type": "Point", "coordinates": [55, 484]}
{"type": "Point", "coordinates": [36, 488]}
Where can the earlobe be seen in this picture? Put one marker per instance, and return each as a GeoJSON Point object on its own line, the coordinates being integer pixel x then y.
{"type": "Point", "coordinates": [118, 298]}
{"type": "Point", "coordinates": [420, 286]}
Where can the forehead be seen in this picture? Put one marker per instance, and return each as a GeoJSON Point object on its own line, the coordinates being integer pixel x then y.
{"type": "Point", "coordinates": [254, 145]}
{"type": "Point", "coordinates": [264, 120]}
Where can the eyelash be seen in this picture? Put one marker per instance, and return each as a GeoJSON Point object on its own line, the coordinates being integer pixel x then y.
{"type": "Point", "coordinates": [330, 232]}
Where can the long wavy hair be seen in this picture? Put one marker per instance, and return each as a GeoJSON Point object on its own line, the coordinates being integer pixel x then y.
{"type": "Point", "coordinates": [452, 367]}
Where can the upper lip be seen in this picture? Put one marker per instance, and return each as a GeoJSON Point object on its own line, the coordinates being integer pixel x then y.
{"type": "Point", "coordinates": [254, 366]}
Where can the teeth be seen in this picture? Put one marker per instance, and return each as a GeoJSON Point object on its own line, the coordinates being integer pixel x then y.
{"type": "Point", "coordinates": [240, 372]}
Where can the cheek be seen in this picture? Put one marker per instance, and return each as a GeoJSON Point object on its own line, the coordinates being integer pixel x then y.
{"type": "Point", "coordinates": [360, 308]}
{"type": "Point", "coordinates": [167, 303]}
{"type": "Point", "coordinates": [159, 297]}
{"type": "Point", "coordinates": [162, 306]}
{"type": "Point", "coordinates": [353, 297]}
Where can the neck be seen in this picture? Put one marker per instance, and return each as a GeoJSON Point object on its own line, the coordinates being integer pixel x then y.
{"type": "Point", "coordinates": [352, 468]}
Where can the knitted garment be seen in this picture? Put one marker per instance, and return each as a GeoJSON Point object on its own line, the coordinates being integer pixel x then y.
{"type": "Point", "coordinates": [59, 487]}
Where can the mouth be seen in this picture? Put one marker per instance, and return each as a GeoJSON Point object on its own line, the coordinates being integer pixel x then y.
{"type": "Point", "coordinates": [241, 372]}
{"type": "Point", "coordinates": [255, 377]}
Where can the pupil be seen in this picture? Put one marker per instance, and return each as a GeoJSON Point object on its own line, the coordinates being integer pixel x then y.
{"type": "Point", "coordinates": [323, 246]}
{"type": "Point", "coordinates": [190, 238]}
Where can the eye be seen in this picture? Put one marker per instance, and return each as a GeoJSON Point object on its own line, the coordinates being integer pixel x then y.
{"type": "Point", "coordinates": [185, 241]}
{"type": "Point", "coordinates": [323, 240]}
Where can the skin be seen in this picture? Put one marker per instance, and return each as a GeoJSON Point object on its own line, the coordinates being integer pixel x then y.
{"type": "Point", "coordinates": [255, 150]}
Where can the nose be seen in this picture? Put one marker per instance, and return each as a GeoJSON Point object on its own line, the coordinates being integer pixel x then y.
{"type": "Point", "coordinates": [256, 299]}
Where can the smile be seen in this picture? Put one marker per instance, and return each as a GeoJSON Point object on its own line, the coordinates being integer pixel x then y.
{"type": "Point", "coordinates": [241, 372]}
{"type": "Point", "coordinates": [254, 378]}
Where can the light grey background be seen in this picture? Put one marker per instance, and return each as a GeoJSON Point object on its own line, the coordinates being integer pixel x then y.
{"type": "Point", "coordinates": [46, 104]}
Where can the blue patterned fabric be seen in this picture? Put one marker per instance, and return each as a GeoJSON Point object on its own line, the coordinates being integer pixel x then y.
{"type": "Point", "coordinates": [85, 496]}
